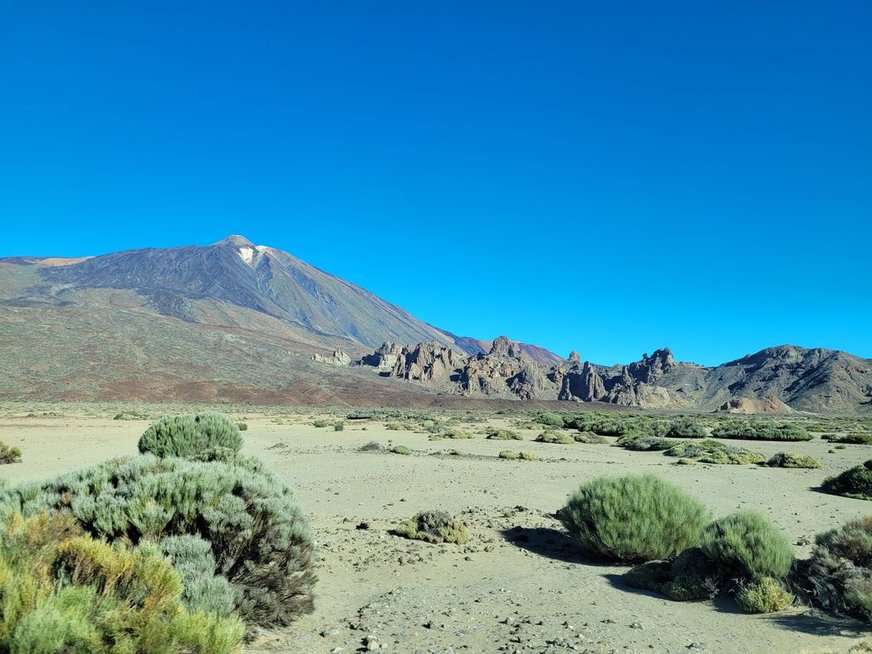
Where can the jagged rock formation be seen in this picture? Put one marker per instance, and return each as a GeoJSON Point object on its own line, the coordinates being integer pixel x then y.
{"type": "Point", "coordinates": [768, 381]}
{"type": "Point", "coordinates": [338, 358]}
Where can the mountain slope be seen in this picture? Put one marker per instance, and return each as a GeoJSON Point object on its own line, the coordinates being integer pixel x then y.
{"type": "Point", "coordinates": [238, 322]}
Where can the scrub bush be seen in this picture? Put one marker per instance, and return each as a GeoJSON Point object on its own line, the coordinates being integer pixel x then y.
{"type": "Point", "coordinates": [765, 595]}
{"type": "Point", "coordinates": [503, 435]}
{"type": "Point", "coordinates": [433, 527]}
{"type": "Point", "coordinates": [9, 454]}
{"type": "Point", "coordinates": [258, 536]}
{"type": "Point", "coordinates": [788, 460]}
{"type": "Point", "coordinates": [838, 576]}
{"type": "Point", "coordinates": [205, 435]}
{"type": "Point", "coordinates": [747, 545]}
{"type": "Point", "coordinates": [555, 437]}
{"type": "Point", "coordinates": [67, 592]}
{"type": "Point", "coordinates": [633, 518]}
{"type": "Point", "coordinates": [856, 482]}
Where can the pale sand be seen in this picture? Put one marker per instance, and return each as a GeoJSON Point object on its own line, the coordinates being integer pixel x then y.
{"type": "Point", "coordinates": [524, 590]}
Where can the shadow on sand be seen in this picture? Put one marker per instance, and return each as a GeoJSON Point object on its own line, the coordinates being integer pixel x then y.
{"type": "Point", "coordinates": [551, 543]}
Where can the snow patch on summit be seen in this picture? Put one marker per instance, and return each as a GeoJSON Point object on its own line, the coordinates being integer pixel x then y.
{"type": "Point", "coordinates": [247, 255]}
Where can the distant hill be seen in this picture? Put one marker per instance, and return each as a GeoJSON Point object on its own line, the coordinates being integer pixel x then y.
{"type": "Point", "coordinates": [240, 322]}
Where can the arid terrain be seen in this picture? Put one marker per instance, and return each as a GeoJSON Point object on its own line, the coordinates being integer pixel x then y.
{"type": "Point", "coordinates": [519, 584]}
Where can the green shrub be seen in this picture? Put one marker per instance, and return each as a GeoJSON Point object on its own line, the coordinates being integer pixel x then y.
{"type": "Point", "coordinates": [633, 518]}
{"type": "Point", "coordinates": [711, 451]}
{"type": "Point", "coordinates": [64, 592]}
{"type": "Point", "coordinates": [394, 426]}
{"type": "Point", "coordinates": [433, 527]}
{"type": "Point", "coordinates": [203, 435]}
{"type": "Point", "coordinates": [686, 428]}
{"type": "Point", "coordinates": [589, 438]}
{"type": "Point", "coordinates": [401, 449]}
{"type": "Point", "coordinates": [259, 538]}
{"type": "Point", "coordinates": [550, 419]}
{"type": "Point", "coordinates": [503, 435]}
{"type": "Point", "coordinates": [243, 426]}
{"type": "Point", "coordinates": [764, 595]}
{"type": "Point", "coordinates": [452, 434]}
{"type": "Point", "coordinates": [856, 482]}
{"type": "Point", "coordinates": [320, 424]}
{"type": "Point", "coordinates": [9, 454]}
{"type": "Point", "coordinates": [645, 443]}
{"type": "Point", "coordinates": [556, 437]}
{"type": "Point", "coordinates": [838, 576]}
{"type": "Point", "coordinates": [789, 460]}
{"type": "Point", "coordinates": [745, 544]}
{"type": "Point", "coordinates": [761, 430]}
{"type": "Point", "coordinates": [339, 426]}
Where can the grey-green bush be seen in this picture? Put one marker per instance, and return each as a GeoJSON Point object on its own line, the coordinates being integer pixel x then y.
{"type": "Point", "coordinates": [259, 537]}
{"type": "Point", "coordinates": [205, 435]}
{"type": "Point", "coordinates": [202, 590]}
{"type": "Point", "coordinates": [745, 544]}
{"type": "Point", "coordinates": [838, 576]}
{"type": "Point", "coordinates": [633, 518]}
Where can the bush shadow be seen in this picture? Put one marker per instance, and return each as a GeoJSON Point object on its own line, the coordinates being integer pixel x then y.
{"type": "Point", "coordinates": [813, 621]}
{"type": "Point", "coordinates": [550, 543]}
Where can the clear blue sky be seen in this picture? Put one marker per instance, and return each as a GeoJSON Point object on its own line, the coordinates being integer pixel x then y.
{"type": "Point", "coordinates": [610, 177]}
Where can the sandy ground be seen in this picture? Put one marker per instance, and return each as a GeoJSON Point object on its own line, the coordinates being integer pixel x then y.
{"type": "Point", "coordinates": [518, 585]}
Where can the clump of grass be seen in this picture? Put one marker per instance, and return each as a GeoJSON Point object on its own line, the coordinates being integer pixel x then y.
{"type": "Point", "coordinates": [203, 435]}
{"type": "Point", "coordinates": [747, 545]}
{"type": "Point", "coordinates": [339, 426]}
{"type": "Point", "coordinates": [64, 591]}
{"type": "Point", "coordinates": [633, 518]}
{"type": "Point", "coordinates": [401, 449]}
{"type": "Point", "coordinates": [645, 443]}
{"type": "Point", "coordinates": [9, 454]}
{"type": "Point", "coordinates": [523, 455]}
{"type": "Point", "coordinates": [503, 434]}
{"type": "Point", "coordinates": [856, 482]}
{"type": "Point", "coordinates": [790, 460]}
{"type": "Point", "coordinates": [765, 595]}
{"type": "Point", "coordinates": [433, 527]}
{"type": "Point", "coordinates": [715, 452]}
{"type": "Point", "coordinates": [372, 446]}
{"type": "Point", "coordinates": [394, 426]}
{"type": "Point", "coordinates": [321, 424]}
{"type": "Point", "coordinates": [589, 438]}
{"type": "Point", "coordinates": [555, 437]}
{"type": "Point", "coordinates": [452, 434]}
{"type": "Point", "coordinates": [243, 426]}
{"type": "Point", "coordinates": [838, 576]}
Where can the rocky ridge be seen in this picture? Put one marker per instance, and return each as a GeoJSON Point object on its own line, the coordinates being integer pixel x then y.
{"type": "Point", "coordinates": [774, 380]}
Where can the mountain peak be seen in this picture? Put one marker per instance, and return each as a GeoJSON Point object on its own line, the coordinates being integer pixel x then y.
{"type": "Point", "coordinates": [235, 240]}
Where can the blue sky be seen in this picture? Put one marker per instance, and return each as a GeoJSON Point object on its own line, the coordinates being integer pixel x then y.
{"type": "Point", "coordinates": [606, 177]}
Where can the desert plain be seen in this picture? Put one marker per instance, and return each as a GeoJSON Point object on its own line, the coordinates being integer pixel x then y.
{"type": "Point", "coordinates": [520, 584]}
